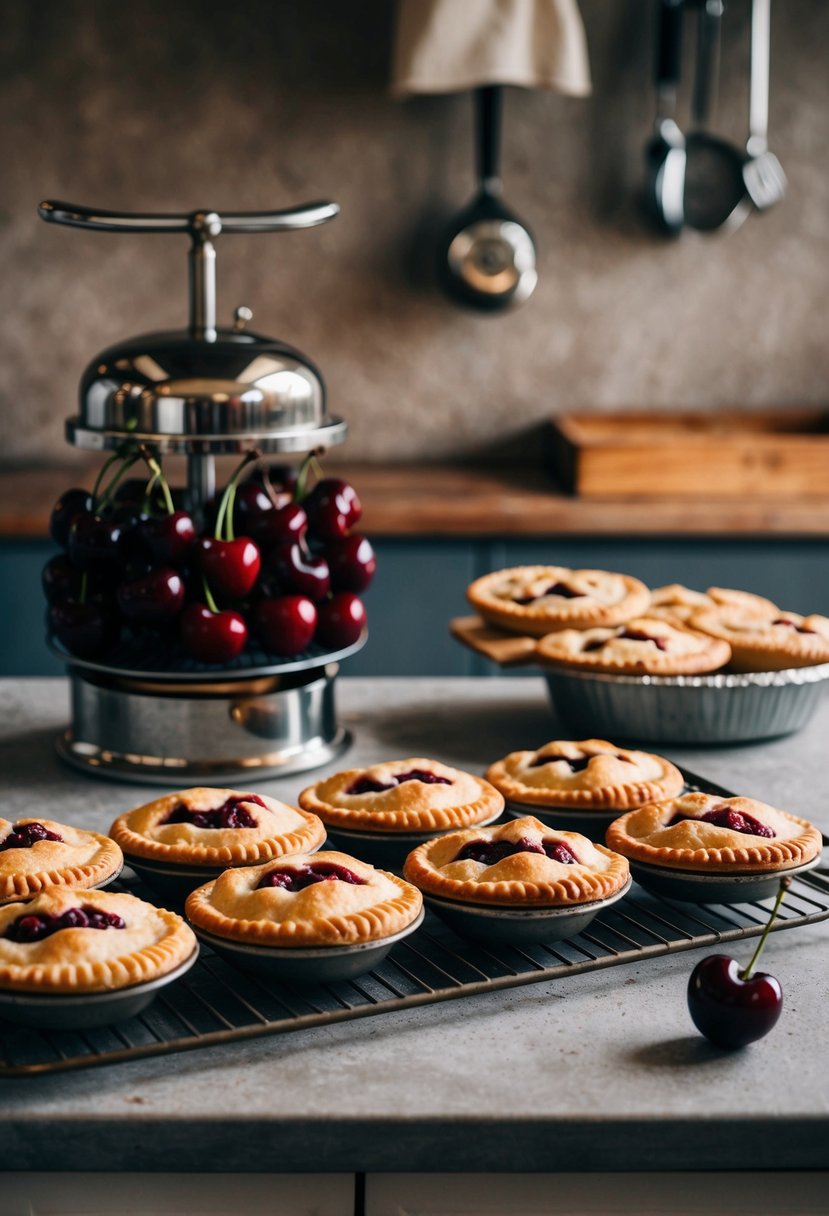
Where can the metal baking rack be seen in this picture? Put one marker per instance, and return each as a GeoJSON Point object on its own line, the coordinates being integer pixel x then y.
{"type": "Point", "coordinates": [216, 1004]}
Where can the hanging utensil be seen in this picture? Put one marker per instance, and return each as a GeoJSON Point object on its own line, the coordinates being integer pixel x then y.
{"type": "Point", "coordinates": [763, 174]}
{"type": "Point", "coordinates": [487, 257]}
{"type": "Point", "coordinates": [665, 151]}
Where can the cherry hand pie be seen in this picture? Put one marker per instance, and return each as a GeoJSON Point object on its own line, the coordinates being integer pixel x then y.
{"type": "Point", "coordinates": [308, 900]}
{"type": "Point", "coordinates": [539, 599]}
{"type": "Point", "coordinates": [703, 832]}
{"type": "Point", "coordinates": [517, 864]}
{"type": "Point", "coordinates": [414, 795]}
{"type": "Point", "coordinates": [36, 854]}
{"type": "Point", "coordinates": [67, 941]}
{"type": "Point", "coordinates": [770, 641]}
{"type": "Point", "coordinates": [641, 646]}
{"type": "Point", "coordinates": [590, 775]}
{"type": "Point", "coordinates": [215, 827]}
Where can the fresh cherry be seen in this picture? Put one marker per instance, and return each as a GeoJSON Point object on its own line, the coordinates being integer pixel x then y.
{"type": "Point", "coordinates": [285, 523]}
{"type": "Point", "coordinates": [167, 539]}
{"type": "Point", "coordinates": [285, 624]}
{"type": "Point", "coordinates": [212, 637]}
{"type": "Point", "coordinates": [251, 508]}
{"type": "Point", "coordinates": [60, 579]}
{"type": "Point", "coordinates": [85, 629]}
{"type": "Point", "coordinates": [153, 598]}
{"type": "Point", "coordinates": [68, 507]}
{"type": "Point", "coordinates": [231, 567]}
{"type": "Point", "coordinates": [730, 1007]}
{"type": "Point", "coordinates": [332, 507]}
{"type": "Point", "coordinates": [342, 620]}
{"type": "Point", "coordinates": [351, 561]}
{"type": "Point", "coordinates": [297, 571]}
{"type": "Point", "coordinates": [94, 541]}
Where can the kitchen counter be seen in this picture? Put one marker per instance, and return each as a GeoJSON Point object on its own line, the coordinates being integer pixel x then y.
{"type": "Point", "coordinates": [507, 498]}
{"type": "Point", "coordinates": [599, 1071]}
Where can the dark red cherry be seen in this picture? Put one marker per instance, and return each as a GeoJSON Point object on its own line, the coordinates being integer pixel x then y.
{"type": "Point", "coordinates": [231, 814]}
{"type": "Point", "coordinates": [251, 507]}
{"type": "Point", "coordinates": [60, 579]}
{"type": "Point", "coordinates": [24, 835]}
{"type": "Point", "coordinates": [231, 567]}
{"type": "Point", "coordinates": [68, 507]}
{"type": "Point", "coordinates": [285, 624]}
{"type": "Point", "coordinates": [729, 1010]}
{"type": "Point", "coordinates": [95, 542]}
{"type": "Point", "coordinates": [351, 561]}
{"type": "Point", "coordinates": [286, 523]}
{"type": "Point", "coordinates": [342, 620]}
{"type": "Point", "coordinates": [297, 878]}
{"type": "Point", "coordinates": [369, 785]}
{"type": "Point", "coordinates": [86, 630]}
{"type": "Point", "coordinates": [297, 571]}
{"type": "Point", "coordinates": [167, 539]}
{"type": "Point", "coordinates": [332, 507]}
{"type": "Point", "coordinates": [212, 637]}
{"type": "Point", "coordinates": [33, 927]}
{"type": "Point", "coordinates": [153, 598]}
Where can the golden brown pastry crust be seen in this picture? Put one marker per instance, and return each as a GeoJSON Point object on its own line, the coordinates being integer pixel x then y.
{"type": "Point", "coordinates": [153, 943]}
{"type": "Point", "coordinates": [771, 641]}
{"type": "Point", "coordinates": [604, 598]}
{"type": "Point", "coordinates": [662, 648]}
{"type": "Point", "coordinates": [692, 844]}
{"type": "Point", "coordinates": [410, 806]}
{"type": "Point", "coordinates": [614, 778]}
{"type": "Point", "coordinates": [280, 830]}
{"type": "Point", "coordinates": [80, 859]}
{"type": "Point", "coordinates": [329, 913]}
{"type": "Point", "coordinates": [523, 879]}
{"type": "Point", "coordinates": [676, 602]}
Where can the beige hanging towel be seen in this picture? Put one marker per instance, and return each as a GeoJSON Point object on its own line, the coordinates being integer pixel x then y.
{"type": "Point", "coordinates": [445, 46]}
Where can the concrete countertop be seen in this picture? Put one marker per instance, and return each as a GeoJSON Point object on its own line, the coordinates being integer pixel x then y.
{"type": "Point", "coordinates": [596, 1071]}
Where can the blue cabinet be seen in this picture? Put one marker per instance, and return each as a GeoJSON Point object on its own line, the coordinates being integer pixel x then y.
{"type": "Point", "coordinates": [420, 585]}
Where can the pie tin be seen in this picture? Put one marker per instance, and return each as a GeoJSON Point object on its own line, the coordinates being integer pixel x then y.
{"type": "Point", "coordinates": [389, 849]}
{"type": "Point", "coordinates": [491, 923]}
{"type": "Point", "coordinates": [722, 707]}
{"type": "Point", "coordinates": [84, 1011]}
{"type": "Point", "coordinates": [696, 887]}
{"type": "Point", "coordinates": [312, 965]}
{"type": "Point", "coordinates": [175, 882]}
{"type": "Point", "coordinates": [592, 824]}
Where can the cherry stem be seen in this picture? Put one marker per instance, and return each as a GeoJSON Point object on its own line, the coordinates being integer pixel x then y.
{"type": "Point", "coordinates": [309, 464]}
{"type": "Point", "coordinates": [224, 516]}
{"type": "Point", "coordinates": [208, 597]}
{"type": "Point", "coordinates": [785, 883]}
{"type": "Point", "coordinates": [84, 587]}
{"type": "Point", "coordinates": [105, 467]}
{"type": "Point", "coordinates": [106, 497]}
{"type": "Point", "coordinates": [159, 479]}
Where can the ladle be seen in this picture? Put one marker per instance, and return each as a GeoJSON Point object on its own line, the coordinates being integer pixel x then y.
{"type": "Point", "coordinates": [665, 151]}
{"type": "Point", "coordinates": [487, 257]}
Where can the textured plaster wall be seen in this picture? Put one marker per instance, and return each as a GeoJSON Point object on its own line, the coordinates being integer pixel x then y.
{"type": "Point", "coordinates": [180, 104]}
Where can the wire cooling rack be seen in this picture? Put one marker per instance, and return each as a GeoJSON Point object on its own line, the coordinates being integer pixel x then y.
{"type": "Point", "coordinates": [215, 1003]}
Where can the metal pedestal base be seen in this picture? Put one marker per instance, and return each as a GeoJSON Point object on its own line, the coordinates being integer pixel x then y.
{"type": "Point", "coordinates": [169, 734]}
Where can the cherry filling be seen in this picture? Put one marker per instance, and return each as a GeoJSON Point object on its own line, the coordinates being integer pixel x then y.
{"type": "Point", "coordinates": [577, 763]}
{"type": "Point", "coordinates": [490, 852]}
{"type": "Point", "coordinates": [231, 814]}
{"type": "Point", "coordinates": [782, 620]}
{"type": "Point", "coordinates": [637, 635]}
{"type": "Point", "coordinates": [35, 926]}
{"type": "Point", "coordinates": [24, 835]}
{"type": "Point", "coordinates": [305, 876]}
{"type": "Point", "coordinates": [566, 593]}
{"type": "Point", "coordinates": [368, 785]}
{"type": "Point", "coordinates": [727, 817]}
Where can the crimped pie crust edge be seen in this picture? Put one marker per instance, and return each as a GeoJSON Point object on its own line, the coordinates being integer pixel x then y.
{"type": "Point", "coordinates": [538, 620]}
{"type": "Point", "coordinates": [107, 861]}
{"type": "Point", "coordinates": [604, 798]}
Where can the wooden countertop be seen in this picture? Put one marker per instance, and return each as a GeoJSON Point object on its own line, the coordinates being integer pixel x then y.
{"type": "Point", "coordinates": [465, 500]}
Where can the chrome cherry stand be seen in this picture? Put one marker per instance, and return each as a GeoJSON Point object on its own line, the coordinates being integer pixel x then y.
{"type": "Point", "coordinates": [202, 392]}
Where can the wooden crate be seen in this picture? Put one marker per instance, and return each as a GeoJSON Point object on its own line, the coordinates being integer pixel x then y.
{"type": "Point", "coordinates": [720, 454]}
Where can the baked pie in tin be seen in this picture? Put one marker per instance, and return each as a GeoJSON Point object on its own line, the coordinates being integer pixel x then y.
{"type": "Point", "coordinates": [537, 600]}
{"type": "Point", "coordinates": [676, 602]}
{"type": "Point", "coordinates": [772, 641]}
{"type": "Point", "coordinates": [38, 854]}
{"type": "Point", "coordinates": [583, 785]}
{"type": "Point", "coordinates": [641, 646]}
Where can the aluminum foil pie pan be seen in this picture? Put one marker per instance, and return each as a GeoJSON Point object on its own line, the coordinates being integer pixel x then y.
{"type": "Point", "coordinates": [84, 1011]}
{"type": "Point", "coordinates": [488, 922]}
{"type": "Point", "coordinates": [722, 707]}
{"type": "Point", "coordinates": [695, 887]}
{"type": "Point", "coordinates": [312, 965]}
